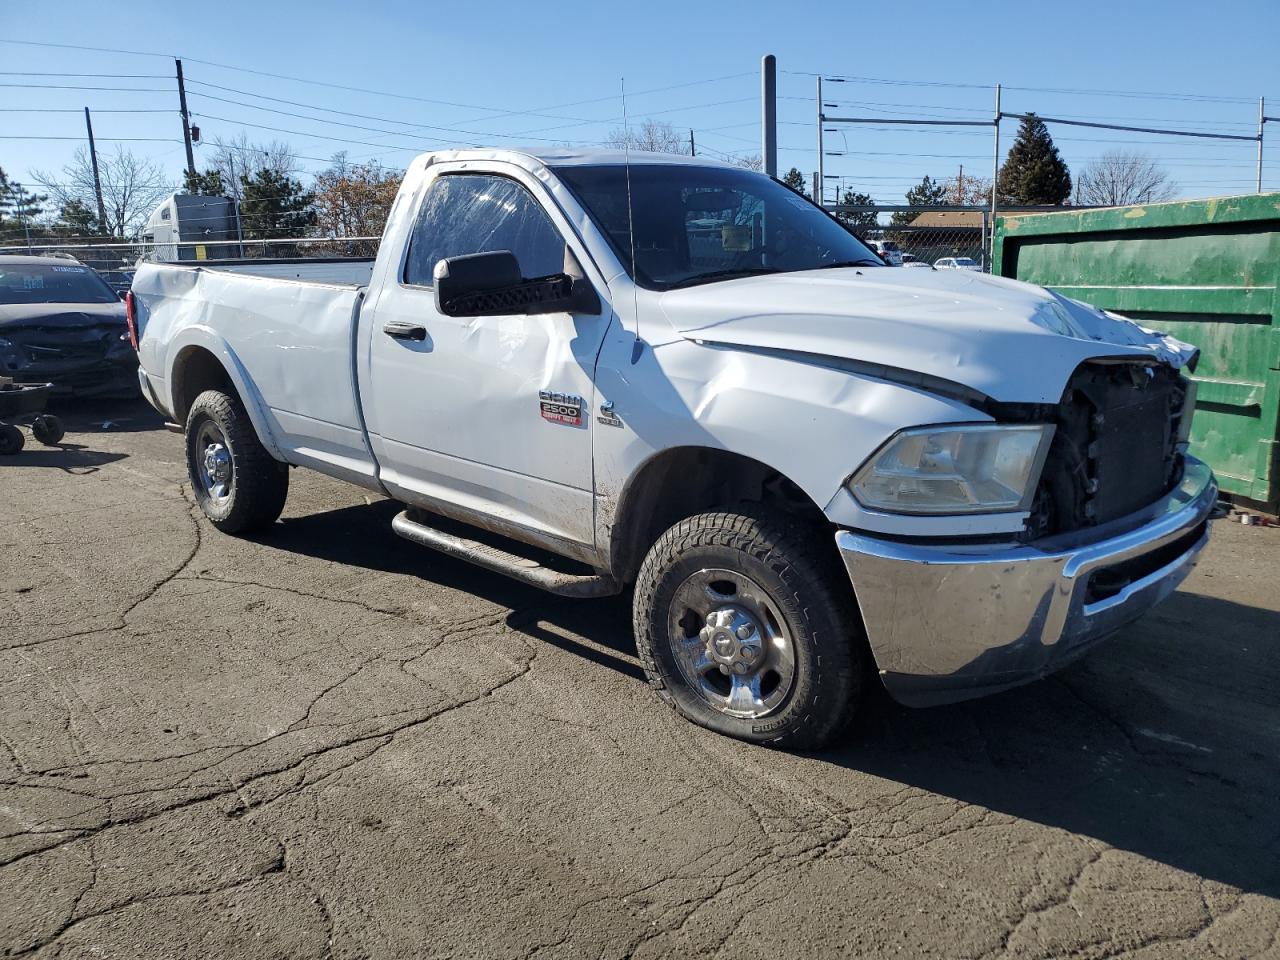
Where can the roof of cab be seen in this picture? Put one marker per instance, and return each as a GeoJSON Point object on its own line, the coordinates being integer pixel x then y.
{"type": "Point", "coordinates": [28, 259]}
{"type": "Point", "coordinates": [567, 157]}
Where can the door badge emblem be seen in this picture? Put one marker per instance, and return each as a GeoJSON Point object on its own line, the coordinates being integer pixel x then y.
{"type": "Point", "coordinates": [563, 408]}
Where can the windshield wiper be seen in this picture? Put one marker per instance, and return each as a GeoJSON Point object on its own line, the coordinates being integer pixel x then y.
{"type": "Point", "coordinates": [864, 262]}
{"type": "Point", "coordinates": [722, 275]}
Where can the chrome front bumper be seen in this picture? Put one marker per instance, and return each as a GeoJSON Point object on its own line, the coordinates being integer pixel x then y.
{"type": "Point", "coordinates": [953, 621]}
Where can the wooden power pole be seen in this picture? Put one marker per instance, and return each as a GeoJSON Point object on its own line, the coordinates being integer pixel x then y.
{"type": "Point", "coordinates": [97, 180]}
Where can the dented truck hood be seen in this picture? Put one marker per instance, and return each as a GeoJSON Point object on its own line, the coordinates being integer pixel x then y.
{"type": "Point", "coordinates": [1012, 341]}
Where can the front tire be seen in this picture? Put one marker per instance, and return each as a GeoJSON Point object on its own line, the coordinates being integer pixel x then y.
{"type": "Point", "coordinates": [237, 484]}
{"type": "Point", "coordinates": [745, 625]}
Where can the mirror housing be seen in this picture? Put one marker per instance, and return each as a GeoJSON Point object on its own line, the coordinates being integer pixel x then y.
{"type": "Point", "coordinates": [491, 285]}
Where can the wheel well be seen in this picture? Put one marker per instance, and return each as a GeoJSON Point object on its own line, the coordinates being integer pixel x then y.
{"type": "Point", "coordinates": [685, 481]}
{"type": "Point", "coordinates": [195, 371]}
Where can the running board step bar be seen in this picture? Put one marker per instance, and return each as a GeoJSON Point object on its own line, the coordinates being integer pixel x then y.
{"type": "Point", "coordinates": [524, 569]}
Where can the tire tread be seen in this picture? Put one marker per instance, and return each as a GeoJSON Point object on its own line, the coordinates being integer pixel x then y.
{"type": "Point", "coordinates": [800, 555]}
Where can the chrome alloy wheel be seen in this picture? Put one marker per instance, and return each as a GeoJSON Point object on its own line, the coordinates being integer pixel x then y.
{"type": "Point", "coordinates": [215, 472]}
{"type": "Point", "coordinates": [730, 643]}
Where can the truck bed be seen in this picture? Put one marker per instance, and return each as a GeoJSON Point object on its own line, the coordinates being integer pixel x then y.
{"type": "Point", "coordinates": [339, 270]}
{"type": "Point", "coordinates": [289, 341]}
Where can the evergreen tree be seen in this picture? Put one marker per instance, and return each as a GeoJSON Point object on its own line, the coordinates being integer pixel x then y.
{"type": "Point", "coordinates": [4, 195]}
{"type": "Point", "coordinates": [23, 205]}
{"type": "Point", "coordinates": [795, 180]}
{"type": "Point", "coordinates": [1034, 172]}
{"type": "Point", "coordinates": [927, 193]}
{"type": "Point", "coordinates": [864, 218]}
{"type": "Point", "coordinates": [75, 219]}
{"type": "Point", "coordinates": [207, 184]}
{"type": "Point", "coordinates": [275, 206]}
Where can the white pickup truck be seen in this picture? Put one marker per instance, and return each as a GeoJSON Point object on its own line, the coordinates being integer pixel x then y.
{"type": "Point", "coordinates": [593, 373]}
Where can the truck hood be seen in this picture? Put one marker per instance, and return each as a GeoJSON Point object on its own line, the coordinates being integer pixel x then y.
{"type": "Point", "coordinates": [14, 316]}
{"type": "Point", "coordinates": [1011, 341]}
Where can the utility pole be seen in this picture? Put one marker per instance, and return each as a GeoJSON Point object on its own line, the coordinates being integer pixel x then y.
{"type": "Point", "coordinates": [769, 113]}
{"type": "Point", "coordinates": [97, 180]}
{"type": "Point", "coordinates": [821, 186]}
{"type": "Point", "coordinates": [186, 121]}
{"type": "Point", "coordinates": [1262, 122]}
{"type": "Point", "coordinates": [693, 150]}
{"type": "Point", "coordinates": [995, 168]}
{"type": "Point", "coordinates": [960, 186]}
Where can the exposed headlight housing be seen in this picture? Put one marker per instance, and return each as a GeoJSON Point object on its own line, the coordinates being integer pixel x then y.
{"type": "Point", "coordinates": [969, 468]}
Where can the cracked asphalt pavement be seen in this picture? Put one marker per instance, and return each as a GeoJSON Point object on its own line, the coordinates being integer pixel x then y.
{"type": "Point", "coordinates": [328, 742]}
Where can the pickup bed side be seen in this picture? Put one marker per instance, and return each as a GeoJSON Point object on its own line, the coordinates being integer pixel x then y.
{"type": "Point", "coordinates": [286, 345]}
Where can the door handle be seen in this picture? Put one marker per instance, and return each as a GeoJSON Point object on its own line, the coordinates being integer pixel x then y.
{"type": "Point", "coordinates": [404, 331]}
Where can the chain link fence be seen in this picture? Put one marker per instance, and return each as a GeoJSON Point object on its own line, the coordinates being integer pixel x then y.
{"type": "Point", "coordinates": [921, 235]}
{"type": "Point", "coordinates": [112, 256]}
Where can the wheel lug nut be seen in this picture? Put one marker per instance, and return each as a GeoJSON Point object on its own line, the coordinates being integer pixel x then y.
{"type": "Point", "coordinates": [740, 668]}
{"type": "Point", "coordinates": [745, 631]}
{"type": "Point", "coordinates": [750, 653]}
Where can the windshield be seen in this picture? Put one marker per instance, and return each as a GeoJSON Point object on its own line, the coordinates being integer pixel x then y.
{"type": "Point", "coordinates": [699, 224]}
{"type": "Point", "coordinates": [52, 283]}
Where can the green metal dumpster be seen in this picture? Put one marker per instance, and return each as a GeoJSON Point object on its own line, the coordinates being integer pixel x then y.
{"type": "Point", "coordinates": [1206, 271]}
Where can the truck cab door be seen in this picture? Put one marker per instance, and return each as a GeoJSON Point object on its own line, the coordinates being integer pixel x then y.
{"type": "Point", "coordinates": [487, 419]}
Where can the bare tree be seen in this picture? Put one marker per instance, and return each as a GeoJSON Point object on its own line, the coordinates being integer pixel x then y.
{"type": "Point", "coordinates": [751, 161]}
{"type": "Point", "coordinates": [655, 136]}
{"type": "Point", "coordinates": [131, 187]}
{"type": "Point", "coordinates": [1121, 177]}
{"type": "Point", "coordinates": [240, 157]}
{"type": "Point", "coordinates": [354, 200]}
{"type": "Point", "coordinates": [974, 191]}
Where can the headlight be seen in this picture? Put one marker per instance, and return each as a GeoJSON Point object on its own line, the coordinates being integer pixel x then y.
{"type": "Point", "coordinates": [962, 469]}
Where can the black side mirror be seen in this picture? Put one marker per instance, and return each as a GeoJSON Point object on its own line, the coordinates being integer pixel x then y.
{"type": "Point", "coordinates": [490, 284]}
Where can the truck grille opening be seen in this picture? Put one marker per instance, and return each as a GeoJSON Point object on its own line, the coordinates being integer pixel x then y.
{"type": "Point", "coordinates": [1116, 447]}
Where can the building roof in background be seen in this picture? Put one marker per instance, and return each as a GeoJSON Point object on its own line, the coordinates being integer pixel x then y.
{"type": "Point", "coordinates": [968, 219]}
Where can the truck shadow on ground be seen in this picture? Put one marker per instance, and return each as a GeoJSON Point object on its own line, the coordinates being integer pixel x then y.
{"type": "Point", "coordinates": [1162, 742]}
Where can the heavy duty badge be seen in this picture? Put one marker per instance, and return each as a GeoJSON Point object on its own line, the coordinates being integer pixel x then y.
{"type": "Point", "coordinates": [561, 407]}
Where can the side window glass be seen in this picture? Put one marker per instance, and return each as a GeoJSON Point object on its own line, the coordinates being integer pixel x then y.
{"type": "Point", "coordinates": [476, 213]}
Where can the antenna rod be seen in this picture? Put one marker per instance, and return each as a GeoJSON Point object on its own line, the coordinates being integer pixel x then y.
{"type": "Point", "coordinates": [631, 222]}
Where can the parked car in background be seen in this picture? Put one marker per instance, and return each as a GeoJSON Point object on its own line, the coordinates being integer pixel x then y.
{"type": "Point", "coordinates": [61, 323]}
{"type": "Point", "coordinates": [958, 263]}
{"type": "Point", "coordinates": [910, 260]}
{"type": "Point", "coordinates": [118, 280]}
{"type": "Point", "coordinates": [889, 251]}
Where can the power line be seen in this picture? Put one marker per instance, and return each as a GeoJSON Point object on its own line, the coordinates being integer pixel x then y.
{"type": "Point", "coordinates": [316, 106]}
{"type": "Point", "coordinates": [96, 110]}
{"type": "Point", "coordinates": [95, 76]}
{"type": "Point", "coordinates": [107, 139]}
{"type": "Point", "coordinates": [62, 86]}
{"type": "Point", "coordinates": [1074, 91]}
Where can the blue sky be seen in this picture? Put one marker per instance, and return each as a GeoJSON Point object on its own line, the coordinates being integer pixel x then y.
{"type": "Point", "coordinates": [522, 73]}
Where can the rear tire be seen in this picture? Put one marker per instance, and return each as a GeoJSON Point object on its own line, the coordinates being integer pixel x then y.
{"type": "Point", "coordinates": [238, 485]}
{"type": "Point", "coordinates": [745, 625]}
{"type": "Point", "coordinates": [11, 440]}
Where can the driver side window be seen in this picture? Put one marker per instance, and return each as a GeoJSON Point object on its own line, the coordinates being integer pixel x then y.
{"type": "Point", "coordinates": [466, 213]}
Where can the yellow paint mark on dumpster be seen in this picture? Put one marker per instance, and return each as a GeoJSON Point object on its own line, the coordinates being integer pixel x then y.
{"type": "Point", "coordinates": [1211, 208]}
{"type": "Point", "coordinates": [1135, 213]}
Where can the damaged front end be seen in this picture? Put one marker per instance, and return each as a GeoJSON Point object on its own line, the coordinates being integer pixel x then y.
{"type": "Point", "coordinates": [83, 354]}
